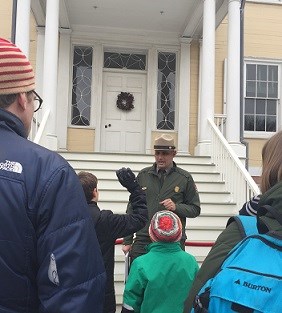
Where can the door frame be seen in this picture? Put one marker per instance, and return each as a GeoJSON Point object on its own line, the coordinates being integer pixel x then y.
{"type": "Point", "coordinates": [182, 102]}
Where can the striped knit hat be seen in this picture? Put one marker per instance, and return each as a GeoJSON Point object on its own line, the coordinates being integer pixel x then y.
{"type": "Point", "coordinates": [16, 73]}
{"type": "Point", "coordinates": [165, 226]}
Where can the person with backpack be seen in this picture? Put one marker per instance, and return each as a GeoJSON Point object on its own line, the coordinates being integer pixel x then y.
{"type": "Point", "coordinates": [110, 226]}
{"type": "Point", "coordinates": [270, 204]}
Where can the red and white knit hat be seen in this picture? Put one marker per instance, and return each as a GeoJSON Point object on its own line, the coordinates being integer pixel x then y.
{"type": "Point", "coordinates": [16, 73]}
{"type": "Point", "coordinates": [165, 226]}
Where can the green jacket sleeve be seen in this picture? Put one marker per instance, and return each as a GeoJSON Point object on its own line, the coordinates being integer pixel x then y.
{"type": "Point", "coordinates": [224, 243]}
{"type": "Point", "coordinates": [134, 288]}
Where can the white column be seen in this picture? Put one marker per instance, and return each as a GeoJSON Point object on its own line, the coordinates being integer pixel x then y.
{"type": "Point", "coordinates": [63, 96]}
{"type": "Point", "coordinates": [184, 97]}
{"type": "Point", "coordinates": [23, 25]}
{"type": "Point", "coordinates": [40, 40]}
{"type": "Point", "coordinates": [233, 78]}
{"type": "Point", "coordinates": [206, 109]}
{"type": "Point", "coordinates": [51, 69]}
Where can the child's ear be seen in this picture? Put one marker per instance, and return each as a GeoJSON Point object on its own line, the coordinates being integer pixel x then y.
{"type": "Point", "coordinates": [95, 194]}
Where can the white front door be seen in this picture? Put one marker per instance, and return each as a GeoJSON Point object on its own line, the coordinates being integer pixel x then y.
{"type": "Point", "coordinates": [123, 131]}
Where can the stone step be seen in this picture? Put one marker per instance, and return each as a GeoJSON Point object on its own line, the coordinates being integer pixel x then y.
{"type": "Point", "coordinates": [113, 195]}
{"type": "Point", "coordinates": [202, 186]}
{"type": "Point", "coordinates": [110, 174]}
{"type": "Point", "coordinates": [130, 158]}
{"type": "Point", "coordinates": [227, 208]}
{"type": "Point", "coordinates": [86, 165]}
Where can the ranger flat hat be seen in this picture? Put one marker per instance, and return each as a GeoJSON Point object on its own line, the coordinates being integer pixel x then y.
{"type": "Point", "coordinates": [164, 142]}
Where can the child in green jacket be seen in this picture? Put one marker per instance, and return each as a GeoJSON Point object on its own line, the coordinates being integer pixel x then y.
{"type": "Point", "coordinates": [160, 280]}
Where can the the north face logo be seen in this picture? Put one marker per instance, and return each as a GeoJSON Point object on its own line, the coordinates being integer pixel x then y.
{"type": "Point", "coordinates": [11, 166]}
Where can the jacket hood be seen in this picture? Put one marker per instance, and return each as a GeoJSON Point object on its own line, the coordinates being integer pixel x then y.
{"type": "Point", "coordinates": [272, 197]}
{"type": "Point", "coordinates": [11, 121]}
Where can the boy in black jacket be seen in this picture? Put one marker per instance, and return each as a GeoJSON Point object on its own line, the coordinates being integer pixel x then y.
{"type": "Point", "coordinates": [110, 226]}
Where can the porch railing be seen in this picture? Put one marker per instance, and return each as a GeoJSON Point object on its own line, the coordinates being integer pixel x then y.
{"type": "Point", "coordinates": [220, 122]}
{"type": "Point", "coordinates": [237, 179]}
{"type": "Point", "coordinates": [41, 127]}
{"type": "Point", "coordinates": [187, 243]}
{"type": "Point", "coordinates": [34, 126]}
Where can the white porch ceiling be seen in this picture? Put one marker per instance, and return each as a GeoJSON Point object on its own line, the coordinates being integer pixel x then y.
{"type": "Point", "coordinates": [178, 18]}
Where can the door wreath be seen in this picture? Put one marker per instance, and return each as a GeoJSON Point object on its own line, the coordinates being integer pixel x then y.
{"type": "Point", "coordinates": [125, 101]}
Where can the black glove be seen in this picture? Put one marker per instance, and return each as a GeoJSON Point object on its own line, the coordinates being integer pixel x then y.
{"type": "Point", "coordinates": [127, 179]}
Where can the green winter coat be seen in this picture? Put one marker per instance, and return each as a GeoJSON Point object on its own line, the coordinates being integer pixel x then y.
{"type": "Point", "coordinates": [227, 241]}
{"type": "Point", "coordinates": [159, 280]}
{"type": "Point", "coordinates": [179, 186]}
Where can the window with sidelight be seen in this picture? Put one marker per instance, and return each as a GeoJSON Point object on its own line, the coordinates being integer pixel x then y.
{"type": "Point", "coordinates": [166, 90]}
{"type": "Point", "coordinates": [261, 98]}
{"type": "Point", "coordinates": [130, 61]}
{"type": "Point", "coordinates": [81, 85]}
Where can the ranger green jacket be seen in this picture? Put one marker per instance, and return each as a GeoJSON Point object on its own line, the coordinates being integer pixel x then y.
{"type": "Point", "coordinates": [229, 238]}
{"type": "Point", "coordinates": [159, 280]}
{"type": "Point", "coordinates": [179, 186]}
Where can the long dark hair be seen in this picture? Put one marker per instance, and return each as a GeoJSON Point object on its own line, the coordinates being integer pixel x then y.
{"type": "Point", "coordinates": [271, 162]}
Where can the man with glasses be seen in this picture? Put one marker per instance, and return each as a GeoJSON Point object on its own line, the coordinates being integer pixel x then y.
{"type": "Point", "coordinates": [167, 187]}
{"type": "Point", "coordinates": [38, 100]}
{"type": "Point", "coordinates": [50, 260]}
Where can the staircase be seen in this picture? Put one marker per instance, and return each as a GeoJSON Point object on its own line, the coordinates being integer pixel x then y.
{"type": "Point", "coordinates": [216, 206]}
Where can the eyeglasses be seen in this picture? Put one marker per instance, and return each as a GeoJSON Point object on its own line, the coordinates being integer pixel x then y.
{"type": "Point", "coordinates": [38, 100]}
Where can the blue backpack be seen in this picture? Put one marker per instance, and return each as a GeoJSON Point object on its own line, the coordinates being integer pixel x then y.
{"type": "Point", "coordinates": [250, 278]}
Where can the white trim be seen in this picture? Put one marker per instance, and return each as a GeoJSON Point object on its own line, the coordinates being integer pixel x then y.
{"type": "Point", "coordinates": [207, 93]}
{"type": "Point", "coordinates": [258, 135]}
{"type": "Point", "coordinates": [152, 94]}
{"type": "Point", "coordinates": [267, 61]}
{"type": "Point", "coordinates": [255, 171]}
{"type": "Point", "coordinates": [224, 85]}
{"type": "Point", "coordinates": [23, 25]}
{"type": "Point", "coordinates": [233, 73]}
{"type": "Point", "coordinates": [122, 39]}
{"type": "Point", "coordinates": [64, 56]}
{"type": "Point", "coordinates": [50, 74]}
{"type": "Point", "coordinates": [183, 111]}
{"type": "Point", "coordinates": [97, 87]}
{"type": "Point", "coordinates": [266, 1]}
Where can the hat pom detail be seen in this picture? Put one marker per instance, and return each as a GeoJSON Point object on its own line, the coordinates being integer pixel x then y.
{"type": "Point", "coordinates": [165, 226]}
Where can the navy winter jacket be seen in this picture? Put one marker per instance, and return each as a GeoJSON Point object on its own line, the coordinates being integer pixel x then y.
{"type": "Point", "coordinates": [50, 259]}
{"type": "Point", "coordinates": [109, 227]}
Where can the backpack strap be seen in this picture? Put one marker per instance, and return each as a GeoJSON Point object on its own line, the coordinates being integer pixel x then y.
{"type": "Point", "coordinates": [247, 224]}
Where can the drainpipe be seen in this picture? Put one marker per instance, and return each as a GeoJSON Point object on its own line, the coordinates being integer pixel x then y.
{"type": "Point", "coordinates": [245, 143]}
{"type": "Point", "coordinates": [14, 21]}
